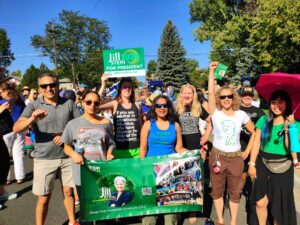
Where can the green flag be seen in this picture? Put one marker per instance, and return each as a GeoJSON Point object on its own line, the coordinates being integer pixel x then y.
{"type": "Point", "coordinates": [133, 187]}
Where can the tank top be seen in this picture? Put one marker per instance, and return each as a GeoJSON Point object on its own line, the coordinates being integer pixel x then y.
{"type": "Point", "coordinates": [127, 127]}
{"type": "Point", "coordinates": [161, 142]}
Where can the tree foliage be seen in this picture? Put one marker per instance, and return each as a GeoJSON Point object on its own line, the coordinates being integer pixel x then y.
{"type": "Point", "coordinates": [252, 36]}
{"type": "Point", "coordinates": [171, 63]}
{"type": "Point", "coordinates": [6, 56]}
{"type": "Point", "coordinates": [31, 75]}
{"type": "Point", "coordinates": [16, 73]}
{"type": "Point", "coordinates": [151, 68]}
{"type": "Point", "coordinates": [197, 77]}
{"type": "Point", "coordinates": [79, 41]}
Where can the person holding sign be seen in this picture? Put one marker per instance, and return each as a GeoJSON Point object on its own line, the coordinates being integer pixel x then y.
{"type": "Point", "coordinates": [88, 136]}
{"type": "Point", "coordinates": [226, 158]}
{"type": "Point", "coordinates": [189, 112]}
{"type": "Point", "coordinates": [161, 136]}
{"type": "Point", "coordinates": [271, 163]}
{"type": "Point", "coordinates": [126, 118]}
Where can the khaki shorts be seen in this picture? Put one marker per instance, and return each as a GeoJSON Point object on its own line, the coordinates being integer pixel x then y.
{"type": "Point", "coordinates": [44, 174]}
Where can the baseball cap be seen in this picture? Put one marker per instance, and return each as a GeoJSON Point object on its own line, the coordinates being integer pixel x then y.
{"type": "Point", "coordinates": [25, 88]}
{"type": "Point", "coordinates": [69, 94]}
{"type": "Point", "coordinates": [246, 83]}
{"type": "Point", "coordinates": [247, 90]}
{"type": "Point", "coordinates": [82, 85]}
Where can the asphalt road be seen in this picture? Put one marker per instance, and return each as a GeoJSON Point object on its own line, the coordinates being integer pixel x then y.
{"type": "Point", "coordinates": [21, 211]}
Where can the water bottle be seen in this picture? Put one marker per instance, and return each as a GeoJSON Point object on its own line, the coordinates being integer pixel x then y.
{"type": "Point", "coordinates": [294, 137]}
{"type": "Point", "coordinates": [79, 149]}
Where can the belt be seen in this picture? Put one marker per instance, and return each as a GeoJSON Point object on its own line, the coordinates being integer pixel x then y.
{"type": "Point", "coordinates": [228, 154]}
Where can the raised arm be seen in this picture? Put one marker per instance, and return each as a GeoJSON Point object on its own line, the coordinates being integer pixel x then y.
{"type": "Point", "coordinates": [211, 88]}
{"type": "Point", "coordinates": [104, 79]}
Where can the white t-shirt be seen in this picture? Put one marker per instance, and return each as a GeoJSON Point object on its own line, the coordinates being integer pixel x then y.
{"type": "Point", "coordinates": [227, 129]}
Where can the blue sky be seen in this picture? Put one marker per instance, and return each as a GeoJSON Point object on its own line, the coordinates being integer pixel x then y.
{"type": "Point", "coordinates": [132, 23]}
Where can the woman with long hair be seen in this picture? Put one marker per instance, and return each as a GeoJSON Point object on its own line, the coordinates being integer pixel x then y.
{"type": "Point", "coordinates": [161, 135]}
{"type": "Point", "coordinates": [226, 158]}
{"type": "Point", "coordinates": [14, 141]}
{"type": "Point", "coordinates": [273, 191]}
{"type": "Point", "coordinates": [33, 95]}
{"type": "Point", "coordinates": [189, 113]}
{"type": "Point", "coordinates": [90, 134]}
{"type": "Point", "coordinates": [126, 118]}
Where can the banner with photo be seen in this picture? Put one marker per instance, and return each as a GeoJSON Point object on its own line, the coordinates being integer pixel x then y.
{"type": "Point", "coordinates": [133, 187]}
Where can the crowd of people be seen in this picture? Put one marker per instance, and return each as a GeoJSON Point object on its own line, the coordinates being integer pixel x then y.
{"type": "Point", "coordinates": [71, 127]}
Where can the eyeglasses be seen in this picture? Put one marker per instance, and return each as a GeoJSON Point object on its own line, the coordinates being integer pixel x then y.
{"type": "Point", "coordinates": [158, 106]}
{"type": "Point", "coordinates": [45, 86]}
{"type": "Point", "coordinates": [96, 103]}
{"type": "Point", "coordinates": [222, 97]}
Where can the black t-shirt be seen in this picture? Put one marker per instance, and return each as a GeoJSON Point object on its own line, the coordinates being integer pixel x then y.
{"type": "Point", "coordinates": [254, 113]}
{"type": "Point", "coordinates": [190, 129]}
{"type": "Point", "coordinates": [127, 127]}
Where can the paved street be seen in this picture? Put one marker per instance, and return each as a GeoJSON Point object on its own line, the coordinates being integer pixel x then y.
{"type": "Point", "coordinates": [21, 210]}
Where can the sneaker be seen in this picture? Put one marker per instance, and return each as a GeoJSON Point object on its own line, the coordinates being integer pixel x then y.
{"type": "Point", "coordinates": [1, 206]}
{"type": "Point", "coordinates": [75, 223]}
{"type": "Point", "coordinates": [8, 196]}
{"type": "Point", "coordinates": [77, 202]}
{"type": "Point", "coordinates": [297, 165]}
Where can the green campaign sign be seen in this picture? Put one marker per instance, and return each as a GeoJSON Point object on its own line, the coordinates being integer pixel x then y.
{"type": "Point", "coordinates": [134, 187]}
{"type": "Point", "coordinates": [127, 62]}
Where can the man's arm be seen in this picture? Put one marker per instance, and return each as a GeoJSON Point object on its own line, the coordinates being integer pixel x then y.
{"type": "Point", "coordinates": [23, 122]}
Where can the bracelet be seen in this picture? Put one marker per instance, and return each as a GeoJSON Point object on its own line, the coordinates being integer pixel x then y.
{"type": "Point", "coordinates": [251, 164]}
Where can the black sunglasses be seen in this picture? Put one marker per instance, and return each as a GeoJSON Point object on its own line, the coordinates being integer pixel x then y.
{"type": "Point", "coordinates": [226, 96]}
{"type": "Point", "coordinates": [51, 85]}
{"type": "Point", "coordinates": [96, 103]}
{"type": "Point", "coordinates": [161, 105]}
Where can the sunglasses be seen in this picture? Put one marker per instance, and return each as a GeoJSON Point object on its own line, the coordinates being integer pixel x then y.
{"type": "Point", "coordinates": [247, 95]}
{"type": "Point", "coordinates": [222, 97]}
{"type": "Point", "coordinates": [158, 106]}
{"type": "Point", "coordinates": [96, 103]}
{"type": "Point", "coordinates": [51, 85]}
{"type": "Point", "coordinates": [35, 93]}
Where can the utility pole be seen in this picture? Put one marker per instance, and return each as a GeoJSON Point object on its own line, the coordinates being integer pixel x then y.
{"type": "Point", "coordinates": [54, 47]}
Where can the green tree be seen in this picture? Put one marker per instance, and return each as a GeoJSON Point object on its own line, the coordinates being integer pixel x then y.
{"type": "Point", "coordinates": [171, 63]}
{"type": "Point", "coordinates": [151, 68]}
{"type": "Point", "coordinates": [251, 37]}
{"type": "Point", "coordinates": [197, 77]}
{"type": "Point", "coordinates": [6, 56]}
{"type": "Point", "coordinates": [31, 75]}
{"type": "Point", "coordinates": [79, 42]}
{"type": "Point", "coordinates": [16, 73]}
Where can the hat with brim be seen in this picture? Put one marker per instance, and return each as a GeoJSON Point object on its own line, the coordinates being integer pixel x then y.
{"type": "Point", "coordinates": [247, 91]}
{"type": "Point", "coordinates": [25, 88]}
{"type": "Point", "coordinates": [150, 99]}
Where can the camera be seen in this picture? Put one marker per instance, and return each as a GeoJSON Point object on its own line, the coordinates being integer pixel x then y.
{"type": "Point", "coordinates": [216, 167]}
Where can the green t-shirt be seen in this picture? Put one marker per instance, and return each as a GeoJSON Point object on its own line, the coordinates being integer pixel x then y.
{"type": "Point", "coordinates": [276, 144]}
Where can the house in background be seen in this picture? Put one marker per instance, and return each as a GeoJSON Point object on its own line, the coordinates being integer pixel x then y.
{"type": "Point", "coordinates": [66, 84]}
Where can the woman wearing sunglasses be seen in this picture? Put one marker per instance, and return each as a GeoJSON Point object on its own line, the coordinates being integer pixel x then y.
{"type": "Point", "coordinates": [88, 136]}
{"type": "Point", "coordinates": [273, 192]}
{"type": "Point", "coordinates": [226, 159]}
{"type": "Point", "coordinates": [161, 136]}
{"type": "Point", "coordinates": [126, 118]}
